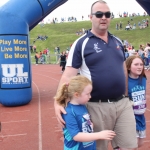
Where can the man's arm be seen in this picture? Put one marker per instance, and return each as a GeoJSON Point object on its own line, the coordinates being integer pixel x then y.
{"type": "Point", "coordinates": [126, 78]}
{"type": "Point", "coordinates": [66, 76]}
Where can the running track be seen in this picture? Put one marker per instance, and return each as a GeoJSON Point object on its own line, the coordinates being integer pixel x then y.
{"type": "Point", "coordinates": [34, 126]}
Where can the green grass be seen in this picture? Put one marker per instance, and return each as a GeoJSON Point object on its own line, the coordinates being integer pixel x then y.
{"type": "Point", "coordinates": [64, 34]}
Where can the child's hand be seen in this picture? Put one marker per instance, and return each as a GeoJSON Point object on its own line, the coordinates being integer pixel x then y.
{"type": "Point", "coordinates": [107, 135]}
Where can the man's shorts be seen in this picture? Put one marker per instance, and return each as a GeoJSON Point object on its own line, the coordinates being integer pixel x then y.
{"type": "Point", "coordinates": [141, 134]}
{"type": "Point", "coordinates": [116, 116]}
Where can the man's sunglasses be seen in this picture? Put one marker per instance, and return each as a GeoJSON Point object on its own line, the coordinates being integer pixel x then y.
{"type": "Point", "coordinates": [100, 14]}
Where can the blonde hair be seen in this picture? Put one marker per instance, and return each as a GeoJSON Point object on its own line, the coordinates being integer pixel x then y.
{"type": "Point", "coordinates": [66, 91]}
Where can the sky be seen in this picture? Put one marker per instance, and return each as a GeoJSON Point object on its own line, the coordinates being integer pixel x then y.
{"type": "Point", "coordinates": [79, 8]}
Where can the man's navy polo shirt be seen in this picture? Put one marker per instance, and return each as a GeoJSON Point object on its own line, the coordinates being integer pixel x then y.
{"type": "Point", "coordinates": [101, 62]}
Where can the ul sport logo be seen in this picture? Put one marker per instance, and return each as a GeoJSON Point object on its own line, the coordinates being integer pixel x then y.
{"type": "Point", "coordinates": [13, 74]}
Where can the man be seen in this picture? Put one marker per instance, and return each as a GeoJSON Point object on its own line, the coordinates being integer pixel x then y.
{"type": "Point", "coordinates": [100, 57]}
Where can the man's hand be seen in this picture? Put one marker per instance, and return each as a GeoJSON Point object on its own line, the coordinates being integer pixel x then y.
{"type": "Point", "coordinates": [58, 110]}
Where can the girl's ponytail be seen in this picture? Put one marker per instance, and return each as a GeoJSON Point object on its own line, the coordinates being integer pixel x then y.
{"type": "Point", "coordinates": [62, 95]}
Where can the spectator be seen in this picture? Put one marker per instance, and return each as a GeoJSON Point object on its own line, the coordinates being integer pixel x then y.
{"type": "Point", "coordinates": [126, 51]}
{"type": "Point", "coordinates": [43, 59]}
{"type": "Point", "coordinates": [34, 48]}
{"type": "Point", "coordinates": [139, 24]}
{"type": "Point", "coordinates": [58, 50]}
{"type": "Point", "coordinates": [41, 53]}
{"type": "Point", "coordinates": [45, 51]}
{"type": "Point", "coordinates": [130, 17]}
{"type": "Point", "coordinates": [37, 56]}
{"type": "Point", "coordinates": [120, 25]}
{"type": "Point", "coordinates": [147, 49]}
{"type": "Point", "coordinates": [145, 59]}
{"type": "Point", "coordinates": [82, 17]}
{"type": "Point", "coordinates": [134, 26]}
{"type": "Point", "coordinates": [132, 51]}
{"type": "Point", "coordinates": [31, 48]}
{"type": "Point", "coordinates": [83, 30]}
{"type": "Point", "coordinates": [127, 27]}
{"type": "Point", "coordinates": [126, 43]}
{"type": "Point", "coordinates": [141, 52]}
{"type": "Point", "coordinates": [117, 26]}
{"type": "Point", "coordinates": [62, 60]}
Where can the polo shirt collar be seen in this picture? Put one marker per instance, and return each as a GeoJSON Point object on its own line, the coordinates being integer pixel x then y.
{"type": "Point", "coordinates": [90, 34]}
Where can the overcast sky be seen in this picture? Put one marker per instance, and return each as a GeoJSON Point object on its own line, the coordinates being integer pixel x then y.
{"type": "Point", "coordinates": [79, 8]}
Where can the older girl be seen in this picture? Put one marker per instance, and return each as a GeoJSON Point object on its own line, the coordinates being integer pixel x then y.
{"type": "Point", "coordinates": [137, 93]}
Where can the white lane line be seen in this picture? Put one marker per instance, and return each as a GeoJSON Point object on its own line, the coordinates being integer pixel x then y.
{"type": "Point", "coordinates": [40, 122]}
{"type": "Point", "coordinates": [3, 136]}
{"type": "Point", "coordinates": [15, 121]}
{"type": "Point", "coordinates": [47, 76]}
{"type": "Point", "coordinates": [45, 70]}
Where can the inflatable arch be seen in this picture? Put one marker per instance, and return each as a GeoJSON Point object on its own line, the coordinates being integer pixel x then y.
{"type": "Point", "coordinates": [17, 18]}
{"type": "Point", "coordinates": [145, 4]}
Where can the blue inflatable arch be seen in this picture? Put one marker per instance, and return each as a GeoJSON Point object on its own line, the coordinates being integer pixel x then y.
{"type": "Point", "coordinates": [145, 4]}
{"type": "Point", "coordinates": [17, 18]}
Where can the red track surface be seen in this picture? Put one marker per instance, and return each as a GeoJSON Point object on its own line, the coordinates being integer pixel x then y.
{"type": "Point", "coordinates": [34, 126]}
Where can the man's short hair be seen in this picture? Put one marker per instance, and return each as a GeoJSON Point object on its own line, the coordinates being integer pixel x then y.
{"type": "Point", "coordinates": [99, 1]}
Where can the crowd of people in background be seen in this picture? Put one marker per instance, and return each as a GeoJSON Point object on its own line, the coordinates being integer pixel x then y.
{"type": "Point", "coordinates": [143, 52]}
{"type": "Point", "coordinates": [126, 14]}
{"type": "Point", "coordinates": [63, 19]}
{"type": "Point", "coordinates": [84, 17]}
{"type": "Point", "coordinates": [40, 37]}
{"type": "Point", "coordinates": [131, 24]}
{"type": "Point", "coordinates": [42, 57]}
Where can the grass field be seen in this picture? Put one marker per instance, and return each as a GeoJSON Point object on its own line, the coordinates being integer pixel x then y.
{"type": "Point", "coordinates": [64, 34]}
